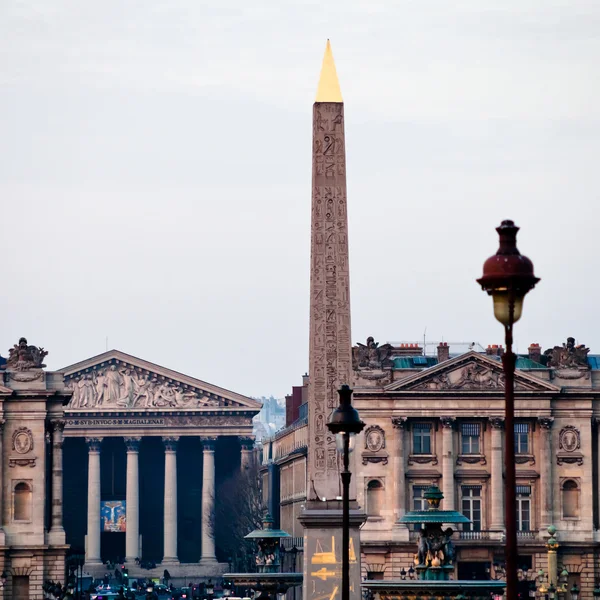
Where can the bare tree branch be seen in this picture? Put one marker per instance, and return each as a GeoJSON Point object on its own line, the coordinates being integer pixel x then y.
{"type": "Point", "coordinates": [238, 511]}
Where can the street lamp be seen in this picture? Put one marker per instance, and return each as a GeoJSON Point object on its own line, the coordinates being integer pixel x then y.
{"type": "Point", "coordinates": [574, 592]}
{"type": "Point", "coordinates": [507, 277]}
{"type": "Point", "coordinates": [345, 424]}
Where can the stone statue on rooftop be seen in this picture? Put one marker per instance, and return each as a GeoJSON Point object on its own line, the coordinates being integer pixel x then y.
{"type": "Point", "coordinates": [23, 357]}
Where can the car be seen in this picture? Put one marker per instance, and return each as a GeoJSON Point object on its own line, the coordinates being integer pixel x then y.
{"type": "Point", "coordinates": [107, 595]}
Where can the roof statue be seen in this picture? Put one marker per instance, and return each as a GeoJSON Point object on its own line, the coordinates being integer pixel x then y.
{"type": "Point", "coordinates": [22, 357]}
{"type": "Point", "coordinates": [568, 356]}
{"type": "Point", "coordinates": [371, 355]}
{"type": "Point", "coordinates": [329, 86]}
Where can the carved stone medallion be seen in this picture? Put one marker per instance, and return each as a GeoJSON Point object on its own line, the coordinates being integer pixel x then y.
{"type": "Point", "coordinates": [569, 444]}
{"type": "Point", "coordinates": [22, 440]}
{"type": "Point", "coordinates": [569, 439]}
{"type": "Point", "coordinates": [374, 438]}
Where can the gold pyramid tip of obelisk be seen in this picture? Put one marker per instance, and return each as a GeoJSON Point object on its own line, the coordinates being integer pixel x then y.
{"type": "Point", "coordinates": [329, 86]}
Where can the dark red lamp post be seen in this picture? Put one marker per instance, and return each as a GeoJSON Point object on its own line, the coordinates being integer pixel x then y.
{"type": "Point", "coordinates": [507, 277]}
{"type": "Point", "coordinates": [345, 424]}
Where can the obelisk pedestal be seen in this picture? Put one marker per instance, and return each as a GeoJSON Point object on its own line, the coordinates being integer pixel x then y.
{"type": "Point", "coordinates": [330, 351]}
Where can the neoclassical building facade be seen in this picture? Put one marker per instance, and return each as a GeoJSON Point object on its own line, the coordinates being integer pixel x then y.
{"type": "Point", "coordinates": [117, 458]}
{"type": "Point", "coordinates": [153, 443]}
{"type": "Point", "coordinates": [439, 419]}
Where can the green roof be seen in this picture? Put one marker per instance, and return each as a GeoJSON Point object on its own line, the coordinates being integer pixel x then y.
{"type": "Point", "coordinates": [414, 362]}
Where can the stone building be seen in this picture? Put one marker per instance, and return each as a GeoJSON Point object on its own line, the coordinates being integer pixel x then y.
{"type": "Point", "coordinates": [143, 450]}
{"type": "Point", "coordinates": [146, 447]}
{"type": "Point", "coordinates": [32, 538]}
{"type": "Point", "coordinates": [439, 419]}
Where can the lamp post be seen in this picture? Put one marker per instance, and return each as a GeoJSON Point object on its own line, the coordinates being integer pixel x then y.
{"type": "Point", "coordinates": [507, 277]}
{"type": "Point", "coordinates": [345, 424]}
{"type": "Point", "coordinates": [574, 592]}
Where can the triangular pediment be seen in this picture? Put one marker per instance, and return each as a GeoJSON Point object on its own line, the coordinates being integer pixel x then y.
{"type": "Point", "coordinates": [118, 381]}
{"type": "Point", "coordinates": [470, 372]}
{"type": "Point", "coordinates": [4, 391]}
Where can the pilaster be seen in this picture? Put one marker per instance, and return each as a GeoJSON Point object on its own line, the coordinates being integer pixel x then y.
{"type": "Point", "coordinates": [546, 495]}
{"type": "Point", "coordinates": [497, 483]}
{"type": "Point", "coordinates": [448, 462]}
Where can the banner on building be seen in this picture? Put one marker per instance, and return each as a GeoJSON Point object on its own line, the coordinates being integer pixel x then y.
{"type": "Point", "coordinates": [113, 515]}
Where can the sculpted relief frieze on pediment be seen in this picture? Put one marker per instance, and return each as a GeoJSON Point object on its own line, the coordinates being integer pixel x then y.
{"type": "Point", "coordinates": [472, 376]}
{"type": "Point", "coordinates": [118, 386]}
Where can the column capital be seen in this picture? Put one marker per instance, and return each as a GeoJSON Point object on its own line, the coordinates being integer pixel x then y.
{"type": "Point", "coordinates": [170, 443]}
{"type": "Point", "coordinates": [93, 443]}
{"type": "Point", "coordinates": [208, 443]}
{"type": "Point", "coordinates": [57, 425]}
{"type": "Point", "coordinates": [399, 422]}
{"type": "Point", "coordinates": [247, 443]}
{"type": "Point", "coordinates": [497, 422]}
{"type": "Point", "coordinates": [545, 422]}
{"type": "Point", "coordinates": [448, 422]}
{"type": "Point", "coordinates": [132, 444]}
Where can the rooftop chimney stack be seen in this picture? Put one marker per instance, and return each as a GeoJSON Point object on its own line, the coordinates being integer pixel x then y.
{"type": "Point", "coordinates": [535, 353]}
{"type": "Point", "coordinates": [494, 350]}
{"type": "Point", "coordinates": [443, 352]}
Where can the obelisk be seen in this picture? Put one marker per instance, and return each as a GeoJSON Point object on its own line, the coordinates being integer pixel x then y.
{"type": "Point", "coordinates": [330, 351]}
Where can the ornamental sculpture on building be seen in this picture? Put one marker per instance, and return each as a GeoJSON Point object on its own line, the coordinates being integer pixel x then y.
{"type": "Point", "coordinates": [568, 356]}
{"type": "Point", "coordinates": [371, 355]}
{"type": "Point", "coordinates": [22, 357]}
{"type": "Point", "coordinates": [124, 387]}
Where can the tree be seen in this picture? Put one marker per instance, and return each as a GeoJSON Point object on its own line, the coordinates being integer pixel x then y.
{"type": "Point", "coordinates": [238, 511]}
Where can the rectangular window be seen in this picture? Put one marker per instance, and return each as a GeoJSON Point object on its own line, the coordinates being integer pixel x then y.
{"type": "Point", "coordinates": [471, 506]}
{"type": "Point", "coordinates": [422, 438]}
{"type": "Point", "coordinates": [418, 503]}
{"type": "Point", "coordinates": [470, 435]}
{"type": "Point", "coordinates": [523, 507]}
{"type": "Point", "coordinates": [521, 438]}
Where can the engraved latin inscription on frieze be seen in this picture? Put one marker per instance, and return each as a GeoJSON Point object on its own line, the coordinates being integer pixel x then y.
{"type": "Point", "coordinates": [330, 348]}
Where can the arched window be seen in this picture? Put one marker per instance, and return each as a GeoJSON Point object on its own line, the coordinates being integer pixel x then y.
{"type": "Point", "coordinates": [570, 499]}
{"type": "Point", "coordinates": [23, 500]}
{"type": "Point", "coordinates": [375, 498]}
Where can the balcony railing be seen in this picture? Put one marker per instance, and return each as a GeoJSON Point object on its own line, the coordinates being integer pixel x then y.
{"type": "Point", "coordinates": [289, 543]}
{"type": "Point", "coordinates": [486, 534]}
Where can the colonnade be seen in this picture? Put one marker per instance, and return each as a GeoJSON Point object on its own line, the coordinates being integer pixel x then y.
{"type": "Point", "coordinates": [496, 521]}
{"type": "Point", "coordinates": [132, 503]}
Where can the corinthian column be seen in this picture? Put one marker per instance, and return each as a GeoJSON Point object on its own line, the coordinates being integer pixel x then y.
{"type": "Point", "coordinates": [170, 520]}
{"type": "Point", "coordinates": [497, 521]}
{"type": "Point", "coordinates": [132, 503]}
{"type": "Point", "coordinates": [57, 532]}
{"type": "Point", "coordinates": [208, 500]}
{"type": "Point", "coordinates": [547, 506]}
{"type": "Point", "coordinates": [92, 554]}
{"type": "Point", "coordinates": [399, 424]}
{"type": "Point", "coordinates": [447, 462]}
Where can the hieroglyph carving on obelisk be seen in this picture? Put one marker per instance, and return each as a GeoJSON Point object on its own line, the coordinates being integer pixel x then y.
{"type": "Point", "coordinates": [330, 353]}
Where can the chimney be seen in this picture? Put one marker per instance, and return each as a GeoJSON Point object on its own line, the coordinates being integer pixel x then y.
{"type": "Point", "coordinates": [535, 353]}
{"type": "Point", "coordinates": [494, 350]}
{"type": "Point", "coordinates": [443, 352]}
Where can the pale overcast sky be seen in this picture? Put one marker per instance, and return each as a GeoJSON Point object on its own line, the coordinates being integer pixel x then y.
{"type": "Point", "coordinates": [155, 175]}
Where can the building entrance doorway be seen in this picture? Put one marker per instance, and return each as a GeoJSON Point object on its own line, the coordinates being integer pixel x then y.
{"type": "Point", "coordinates": [20, 587]}
{"type": "Point", "coordinates": [473, 570]}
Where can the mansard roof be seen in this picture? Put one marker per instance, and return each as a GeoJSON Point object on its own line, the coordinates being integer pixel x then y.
{"type": "Point", "coordinates": [116, 380]}
{"type": "Point", "coordinates": [472, 372]}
